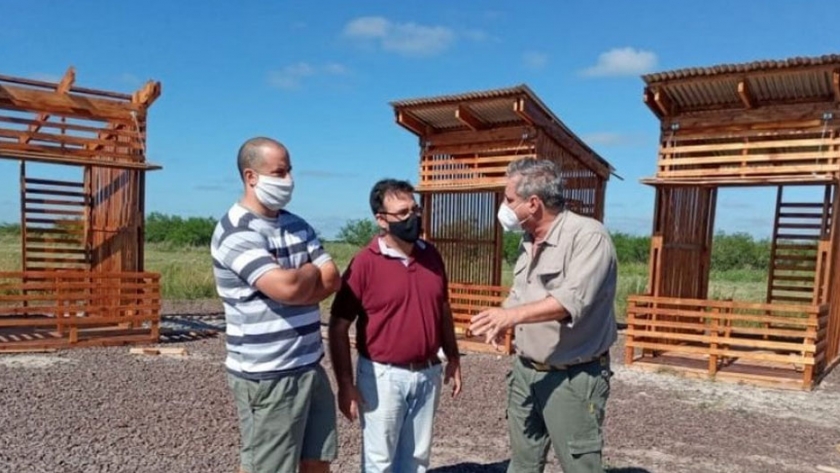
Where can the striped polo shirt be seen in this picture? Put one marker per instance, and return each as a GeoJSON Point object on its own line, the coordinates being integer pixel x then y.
{"type": "Point", "coordinates": [265, 338]}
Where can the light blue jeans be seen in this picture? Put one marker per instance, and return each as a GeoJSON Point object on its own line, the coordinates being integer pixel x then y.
{"type": "Point", "coordinates": [398, 416]}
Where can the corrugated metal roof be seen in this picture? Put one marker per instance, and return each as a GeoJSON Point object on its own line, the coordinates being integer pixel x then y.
{"type": "Point", "coordinates": [493, 107]}
{"type": "Point", "coordinates": [746, 67]}
{"type": "Point", "coordinates": [768, 82]}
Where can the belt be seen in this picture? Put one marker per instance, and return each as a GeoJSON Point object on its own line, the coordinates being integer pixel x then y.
{"type": "Point", "coordinates": [603, 359]}
{"type": "Point", "coordinates": [416, 365]}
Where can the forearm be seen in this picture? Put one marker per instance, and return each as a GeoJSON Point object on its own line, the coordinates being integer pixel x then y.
{"type": "Point", "coordinates": [339, 342]}
{"type": "Point", "coordinates": [448, 339]}
{"type": "Point", "coordinates": [545, 310]}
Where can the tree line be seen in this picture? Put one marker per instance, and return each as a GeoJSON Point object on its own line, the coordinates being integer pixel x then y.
{"type": "Point", "coordinates": [730, 251]}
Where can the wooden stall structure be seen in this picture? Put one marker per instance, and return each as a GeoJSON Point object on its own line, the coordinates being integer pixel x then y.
{"type": "Point", "coordinates": [466, 142]}
{"type": "Point", "coordinates": [81, 279]}
{"type": "Point", "coordinates": [769, 123]}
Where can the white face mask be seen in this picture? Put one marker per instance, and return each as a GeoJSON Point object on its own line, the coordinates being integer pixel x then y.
{"type": "Point", "coordinates": [274, 192]}
{"type": "Point", "coordinates": [507, 217]}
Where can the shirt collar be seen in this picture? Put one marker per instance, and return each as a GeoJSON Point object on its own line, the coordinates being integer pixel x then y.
{"type": "Point", "coordinates": [553, 233]}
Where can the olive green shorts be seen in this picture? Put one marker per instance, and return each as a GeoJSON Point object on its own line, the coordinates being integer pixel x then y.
{"type": "Point", "coordinates": [285, 420]}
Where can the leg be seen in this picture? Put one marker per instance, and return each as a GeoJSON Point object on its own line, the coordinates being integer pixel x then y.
{"type": "Point", "coordinates": [281, 411]}
{"type": "Point", "coordinates": [383, 394]}
{"type": "Point", "coordinates": [528, 436]}
{"type": "Point", "coordinates": [243, 391]}
{"type": "Point", "coordinates": [574, 414]}
{"type": "Point", "coordinates": [320, 445]}
{"type": "Point", "coordinates": [415, 444]}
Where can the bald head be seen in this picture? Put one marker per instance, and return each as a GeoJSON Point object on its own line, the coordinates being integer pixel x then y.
{"type": "Point", "coordinates": [252, 153]}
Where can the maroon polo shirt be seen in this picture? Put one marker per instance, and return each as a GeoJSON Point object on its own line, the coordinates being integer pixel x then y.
{"type": "Point", "coordinates": [399, 307]}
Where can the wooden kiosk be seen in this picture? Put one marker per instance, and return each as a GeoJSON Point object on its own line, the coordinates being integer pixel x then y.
{"type": "Point", "coordinates": [466, 143]}
{"type": "Point", "coordinates": [769, 123]}
{"type": "Point", "coordinates": [81, 280]}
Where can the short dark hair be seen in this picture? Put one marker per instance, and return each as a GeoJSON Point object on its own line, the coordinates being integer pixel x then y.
{"type": "Point", "coordinates": [384, 187]}
{"type": "Point", "coordinates": [250, 153]}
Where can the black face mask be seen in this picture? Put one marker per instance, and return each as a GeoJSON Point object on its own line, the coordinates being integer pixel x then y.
{"type": "Point", "coordinates": [407, 230]}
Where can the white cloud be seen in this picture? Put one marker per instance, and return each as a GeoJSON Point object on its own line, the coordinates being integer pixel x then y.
{"type": "Point", "coordinates": [535, 59]}
{"type": "Point", "coordinates": [611, 138]}
{"type": "Point", "coordinates": [290, 77]}
{"type": "Point", "coordinates": [409, 39]}
{"type": "Point", "coordinates": [622, 62]}
{"type": "Point", "coordinates": [130, 79]}
{"type": "Point", "coordinates": [46, 77]}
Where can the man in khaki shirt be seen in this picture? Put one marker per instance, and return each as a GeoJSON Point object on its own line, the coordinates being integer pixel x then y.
{"type": "Point", "coordinates": [561, 308]}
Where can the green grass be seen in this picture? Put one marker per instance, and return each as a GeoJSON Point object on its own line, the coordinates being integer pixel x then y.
{"type": "Point", "coordinates": [186, 273]}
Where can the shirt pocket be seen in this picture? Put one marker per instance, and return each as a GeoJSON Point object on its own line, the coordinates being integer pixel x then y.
{"type": "Point", "coordinates": [551, 276]}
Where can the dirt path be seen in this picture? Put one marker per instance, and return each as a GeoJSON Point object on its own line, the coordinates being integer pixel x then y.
{"type": "Point", "coordinates": [104, 410]}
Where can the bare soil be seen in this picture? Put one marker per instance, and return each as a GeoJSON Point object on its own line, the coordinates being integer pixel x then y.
{"type": "Point", "coordinates": [105, 410]}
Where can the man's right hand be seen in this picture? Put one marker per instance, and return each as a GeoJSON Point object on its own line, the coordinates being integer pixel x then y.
{"type": "Point", "coordinates": [349, 401]}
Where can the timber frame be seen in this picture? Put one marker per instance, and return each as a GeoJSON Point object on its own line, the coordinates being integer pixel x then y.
{"type": "Point", "coordinates": [81, 280]}
{"type": "Point", "coordinates": [466, 142]}
{"type": "Point", "coordinates": [768, 123]}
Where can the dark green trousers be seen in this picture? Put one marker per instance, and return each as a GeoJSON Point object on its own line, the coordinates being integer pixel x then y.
{"type": "Point", "coordinates": [563, 409]}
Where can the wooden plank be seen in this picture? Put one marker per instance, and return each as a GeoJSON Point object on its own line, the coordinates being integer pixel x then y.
{"type": "Point", "coordinates": [752, 170]}
{"type": "Point", "coordinates": [413, 124]}
{"type": "Point", "coordinates": [48, 156]}
{"type": "Point", "coordinates": [24, 99]}
{"type": "Point", "coordinates": [802, 360]}
{"type": "Point", "coordinates": [65, 141]}
{"type": "Point", "coordinates": [52, 182]}
{"type": "Point", "coordinates": [468, 118]}
{"type": "Point", "coordinates": [732, 305]}
{"type": "Point", "coordinates": [64, 127]}
{"type": "Point", "coordinates": [180, 351]}
{"type": "Point", "coordinates": [780, 159]}
{"type": "Point", "coordinates": [52, 85]}
{"type": "Point", "coordinates": [745, 95]}
{"type": "Point", "coordinates": [723, 340]}
{"type": "Point", "coordinates": [751, 145]}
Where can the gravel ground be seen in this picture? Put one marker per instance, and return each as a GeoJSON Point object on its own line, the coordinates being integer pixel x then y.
{"type": "Point", "coordinates": [105, 410]}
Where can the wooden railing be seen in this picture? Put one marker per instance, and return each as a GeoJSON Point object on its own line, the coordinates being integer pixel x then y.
{"type": "Point", "coordinates": [42, 309]}
{"type": "Point", "coordinates": [467, 300]}
{"type": "Point", "coordinates": [788, 339]}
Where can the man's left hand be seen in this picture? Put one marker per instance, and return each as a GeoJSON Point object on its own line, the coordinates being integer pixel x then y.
{"type": "Point", "coordinates": [453, 372]}
{"type": "Point", "coordinates": [492, 323]}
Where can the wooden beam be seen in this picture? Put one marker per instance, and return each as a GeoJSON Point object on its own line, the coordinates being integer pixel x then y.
{"type": "Point", "coordinates": [32, 100]}
{"type": "Point", "coordinates": [467, 117]}
{"type": "Point", "coordinates": [532, 114]}
{"type": "Point", "coordinates": [413, 124]}
{"type": "Point", "coordinates": [663, 102]}
{"type": "Point", "coordinates": [648, 99]}
{"type": "Point", "coordinates": [744, 93]}
{"type": "Point", "coordinates": [755, 117]}
{"type": "Point", "coordinates": [835, 85]}
{"type": "Point", "coordinates": [62, 88]}
{"type": "Point", "coordinates": [147, 95]}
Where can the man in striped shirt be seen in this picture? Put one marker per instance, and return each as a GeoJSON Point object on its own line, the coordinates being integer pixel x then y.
{"type": "Point", "coordinates": [271, 273]}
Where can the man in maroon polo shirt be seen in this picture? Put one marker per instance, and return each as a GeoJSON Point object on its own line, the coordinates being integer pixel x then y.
{"type": "Point", "coordinates": [396, 288]}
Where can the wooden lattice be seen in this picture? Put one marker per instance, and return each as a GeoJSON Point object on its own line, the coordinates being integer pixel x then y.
{"type": "Point", "coordinates": [82, 278]}
{"type": "Point", "coordinates": [760, 124]}
{"type": "Point", "coordinates": [466, 144]}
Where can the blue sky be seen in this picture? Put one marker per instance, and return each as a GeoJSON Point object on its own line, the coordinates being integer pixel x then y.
{"type": "Point", "coordinates": [319, 76]}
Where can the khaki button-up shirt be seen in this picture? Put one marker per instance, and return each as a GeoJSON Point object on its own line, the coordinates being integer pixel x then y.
{"type": "Point", "coordinates": [575, 264]}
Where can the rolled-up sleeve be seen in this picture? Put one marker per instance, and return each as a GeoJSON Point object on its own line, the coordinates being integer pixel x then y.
{"type": "Point", "coordinates": [591, 266]}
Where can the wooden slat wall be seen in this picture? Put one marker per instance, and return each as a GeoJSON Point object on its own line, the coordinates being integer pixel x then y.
{"type": "Point", "coordinates": [464, 229]}
{"type": "Point", "coordinates": [683, 230]}
{"type": "Point", "coordinates": [747, 154]}
{"type": "Point", "coordinates": [54, 223]}
{"type": "Point", "coordinates": [726, 331]}
{"type": "Point", "coordinates": [57, 308]}
{"type": "Point", "coordinates": [584, 189]}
